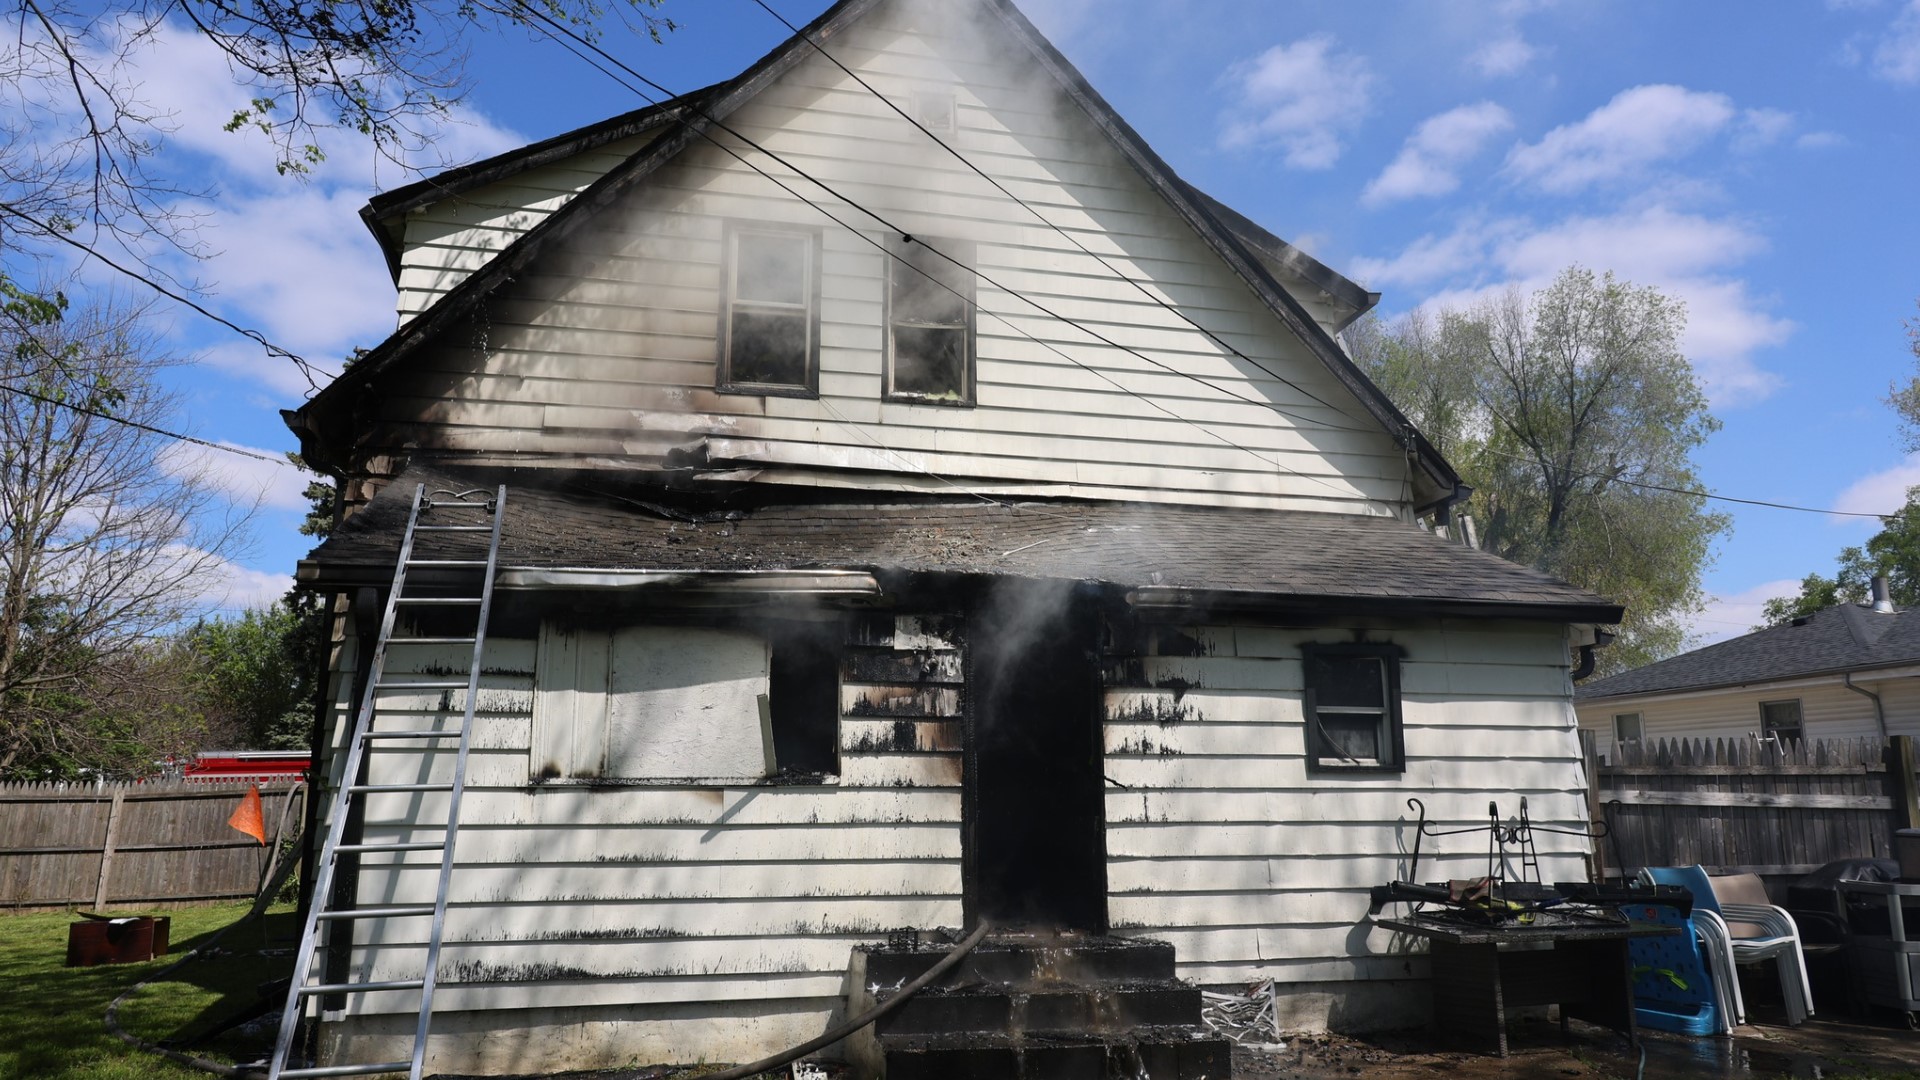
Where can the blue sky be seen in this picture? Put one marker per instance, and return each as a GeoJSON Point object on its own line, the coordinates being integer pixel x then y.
{"type": "Point", "coordinates": [1760, 161]}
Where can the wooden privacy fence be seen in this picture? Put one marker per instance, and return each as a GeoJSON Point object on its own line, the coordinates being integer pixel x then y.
{"type": "Point", "coordinates": [1752, 806]}
{"type": "Point", "coordinates": [70, 845]}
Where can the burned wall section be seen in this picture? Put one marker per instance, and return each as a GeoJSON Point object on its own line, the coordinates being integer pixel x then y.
{"type": "Point", "coordinates": [1223, 842]}
{"type": "Point", "coordinates": [665, 901]}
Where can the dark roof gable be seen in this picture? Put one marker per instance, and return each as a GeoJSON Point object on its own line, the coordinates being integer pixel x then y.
{"type": "Point", "coordinates": [318, 421]}
{"type": "Point", "coordinates": [1848, 637]}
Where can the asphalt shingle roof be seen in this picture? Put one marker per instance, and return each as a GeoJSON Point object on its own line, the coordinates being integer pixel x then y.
{"type": "Point", "coordinates": [1849, 637]}
{"type": "Point", "coordinates": [590, 523]}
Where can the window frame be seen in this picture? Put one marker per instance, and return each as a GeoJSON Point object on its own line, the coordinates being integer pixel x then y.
{"type": "Point", "coordinates": [729, 276]}
{"type": "Point", "coordinates": [1321, 756]}
{"type": "Point", "coordinates": [1799, 720]}
{"type": "Point", "coordinates": [1639, 721]}
{"type": "Point", "coordinates": [961, 251]}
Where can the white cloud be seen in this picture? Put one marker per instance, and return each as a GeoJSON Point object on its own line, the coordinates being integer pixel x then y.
{"type": "Point", "coordinates": [1508, 55]}
{"type": "Point", "coordinates": [1429, 162]}
{"type": "Point", "coordinates": [1685, 255]}
{"type": "Point", "coordinates": [1880, 492]}
{"type": "Point", "coordinates": [1819, 140]}
{"type": "Point", "coordinates": [1300, 97]}
{"type": "Point", "coordinates": [242, 480]}
{"type": "Point", "coordinates": [1640, 126]}
{"type": "Point", "coordinates": [1896, 58]}
{"type": "Point", "coordinates": [1737, 613]}
{"type": "Point", "coordinates": [1760, 128]}
{"type": "Point", "coordinates": [231, 587]}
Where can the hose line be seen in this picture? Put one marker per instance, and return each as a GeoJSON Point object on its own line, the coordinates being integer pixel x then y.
{"type": "Point", "coordinates": [741, 1072]}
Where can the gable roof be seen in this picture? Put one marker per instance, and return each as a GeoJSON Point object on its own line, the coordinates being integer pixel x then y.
{"type": "Point", "coordinates": [319, 422]}
{"type": "Point", "coordinates": [1849, 637]}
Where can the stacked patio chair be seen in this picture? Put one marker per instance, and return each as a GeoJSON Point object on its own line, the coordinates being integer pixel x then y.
{"type": "Point", "coordinates": [1736, 925]}
{"type": "Point", "coordinates": [1678, 985]}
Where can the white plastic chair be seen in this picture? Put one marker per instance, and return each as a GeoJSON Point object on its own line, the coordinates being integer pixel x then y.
{"type": "Point", "coordinates": [1733, 919]}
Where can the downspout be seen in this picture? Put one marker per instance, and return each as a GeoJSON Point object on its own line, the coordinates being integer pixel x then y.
{"type": "Point", "coordinates": [1879, 707]}
{"type": "Point", "coordinates": [1588, 661]}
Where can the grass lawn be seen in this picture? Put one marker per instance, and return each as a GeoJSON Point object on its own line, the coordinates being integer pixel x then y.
{"type": "Point", "coordinates": [52, 1017]}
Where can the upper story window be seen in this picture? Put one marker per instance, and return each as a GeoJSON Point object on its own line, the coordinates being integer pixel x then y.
{"type": "Point", "coordinates": [770, 317]}
{"type": "Point", "coordinates": [1352, 703]}
{"type": "Point", "coordinates": [930, 322]}
{"type": "Point", "coordinates": [1781, 719]}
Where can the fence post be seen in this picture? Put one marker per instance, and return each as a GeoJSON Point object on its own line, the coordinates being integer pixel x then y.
{"type": "Point", "coordinates": [1905, 787]}
{"type": "Point", "coordinates": [1590, 760]}
{"type": "Point", "coordinates": [106, 849]}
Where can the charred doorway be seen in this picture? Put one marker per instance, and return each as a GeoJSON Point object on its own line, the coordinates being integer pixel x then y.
{"type": "Point", "coordinates": [1035, 851]}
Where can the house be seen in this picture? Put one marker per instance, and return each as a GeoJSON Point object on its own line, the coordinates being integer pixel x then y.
{"type": "Point", "coordinates": [1848, 671]}
{"type": "Point", "coordinates": [883, 551]}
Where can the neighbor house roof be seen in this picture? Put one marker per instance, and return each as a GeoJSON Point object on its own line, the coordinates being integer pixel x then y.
{"type": "Point", "coordinates": [1849, 637]}
{"type": "Point", "coordinates": [319, 421]}
{"type": "Point", "coordinates": [1188, 556]}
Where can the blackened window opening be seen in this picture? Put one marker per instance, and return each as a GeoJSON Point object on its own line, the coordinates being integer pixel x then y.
{"type": "Point", "coordinates": [803, 695]}
{"type": "Point", "coordinates": [769, 332]}
{"type": "Point", "coordinates": [1352, 706]}
{"type": "Point", "coordinates": [930, 340]}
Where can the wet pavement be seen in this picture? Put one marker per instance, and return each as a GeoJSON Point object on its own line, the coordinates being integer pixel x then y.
{"type": "Point", "coordinates": [1817, 1050]}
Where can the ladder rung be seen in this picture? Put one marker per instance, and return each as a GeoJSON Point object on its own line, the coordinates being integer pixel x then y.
{"type": "Point", "coordinates": [430, 641]}
{"type": "Point", "coordinates": [437, 600]}
{"type": "Point", "coordinates": [411, 845]}
{"type": "Point", "coordinates": [398, 787]}
{"type": "Point", "coordinates": [446, 562]}
{"type": "Point", "coordinates": [376, 913]}
{"type": "Point", "coordinates": [361, 988]}
{"type": "Point", "coordinates": [453, 528]}
{"type": "Point", "coordinates": [347, 1070]}
{"type": "Point", "coordinates": [427, 733]}
{"type": "Point", "coordinates": [461, 685]}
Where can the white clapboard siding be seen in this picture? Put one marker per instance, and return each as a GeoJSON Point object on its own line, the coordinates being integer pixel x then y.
{"type": "Point", "coordinates": [633, 303]}
{"type": "Point", "coordinates": [1828, 710]}
{"type": "Point", "coordinates": [578, 893]}
{"type": "Point", "coordinates": [1220, 840]}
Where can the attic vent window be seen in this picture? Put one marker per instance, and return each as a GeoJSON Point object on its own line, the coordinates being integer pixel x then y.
{"type": "Point", "coordinates": [770, 318]}
{"type": "Point", "coordinates": [934, 110]}
{"type": "Point", "coordinates": [930, 346]}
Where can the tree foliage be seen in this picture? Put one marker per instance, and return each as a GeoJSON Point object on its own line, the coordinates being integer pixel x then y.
{"type": "Point", "coordinates": [103, 547]}
{"type": "Point", "coordinates": [1574, 415]}
{"type": "Point", "coordinates": [1893, 552]}
{"type": "Point", "coordinates": [1905, 400]}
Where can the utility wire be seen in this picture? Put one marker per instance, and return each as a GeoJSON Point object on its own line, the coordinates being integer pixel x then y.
{"type": "Point", "coordinates": [1649, 486]}
{"type": "Point", "coordinates": [1064, 234]}
{"type": "Point", "coordinates": [306, 368]}
{"type": "Point", "coordinates": [889, 252]}
{"type": "Point", "coordinates": [148, 428]}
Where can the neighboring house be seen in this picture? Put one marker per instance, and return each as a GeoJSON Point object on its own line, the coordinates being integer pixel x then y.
{"type": "Point", "coordinates": [1845, 672]}
{"type": "Point", "coordinates": [1127, 626]}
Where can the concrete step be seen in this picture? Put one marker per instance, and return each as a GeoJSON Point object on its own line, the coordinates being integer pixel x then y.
{"type": "Point", "coordinates": [1145, 1054]}
{"type": "Point", "coordinates": [1107, 1008]}
{"type": "Point", "coordinates": [1023, 961]}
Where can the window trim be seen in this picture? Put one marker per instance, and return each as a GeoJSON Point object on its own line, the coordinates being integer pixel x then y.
{"type": "Point", "coordinates": [724, 381]}
{"type": "Point", "coordinates": [1638, 718]}
{"type": "Point", "coordinates": [1800, 720]}
{"type": "Point", "coordinates": [962, 251]}
{"type": "Point", "coordinates": [1320, 756]}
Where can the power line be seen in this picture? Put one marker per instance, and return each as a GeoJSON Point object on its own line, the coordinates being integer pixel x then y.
{"type": "Point", "coordinates": [1649, 486]}
{"type": "Point", "coordinates": [1064, 234]}
{"type": "Point", "coordinates": [306, 368]}
{"type": "Point", "coordinates": [890, 253]}
{"type": "Point", "coordinates": [148, 428]}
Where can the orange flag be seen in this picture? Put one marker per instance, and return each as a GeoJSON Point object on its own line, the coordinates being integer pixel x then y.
{"type": "Point", "coordinates": [248, 818]}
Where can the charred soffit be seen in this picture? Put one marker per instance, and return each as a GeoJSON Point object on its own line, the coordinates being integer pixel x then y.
{"type": "Point", "coordinates": [1166, 556]}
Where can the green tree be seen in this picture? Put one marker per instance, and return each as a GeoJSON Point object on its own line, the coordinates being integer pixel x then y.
{"type": "Point", "coordinates": [1893, 552]}
{"type": "Point", "coordinates": [1574, 415]}
{"type": "Point", "coordinates": [254, 676]}
{"type": "Point", "coordinates": [1905, 400]}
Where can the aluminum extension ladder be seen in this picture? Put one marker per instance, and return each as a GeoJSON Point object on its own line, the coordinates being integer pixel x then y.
{"type": "Point", "coordinates": [476, 511]}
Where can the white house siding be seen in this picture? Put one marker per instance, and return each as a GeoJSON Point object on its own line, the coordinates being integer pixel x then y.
{"type": "Point", "coordinates": [445, 241]}
{"type": "Point", "coordinates": [604, 353]}
{"type": "Point", "coordinates": [1828, 710]}
{"type": "Point", "coordinates": [1222, 842]}
{"type": "Point", "coordinates": [691, 915]}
